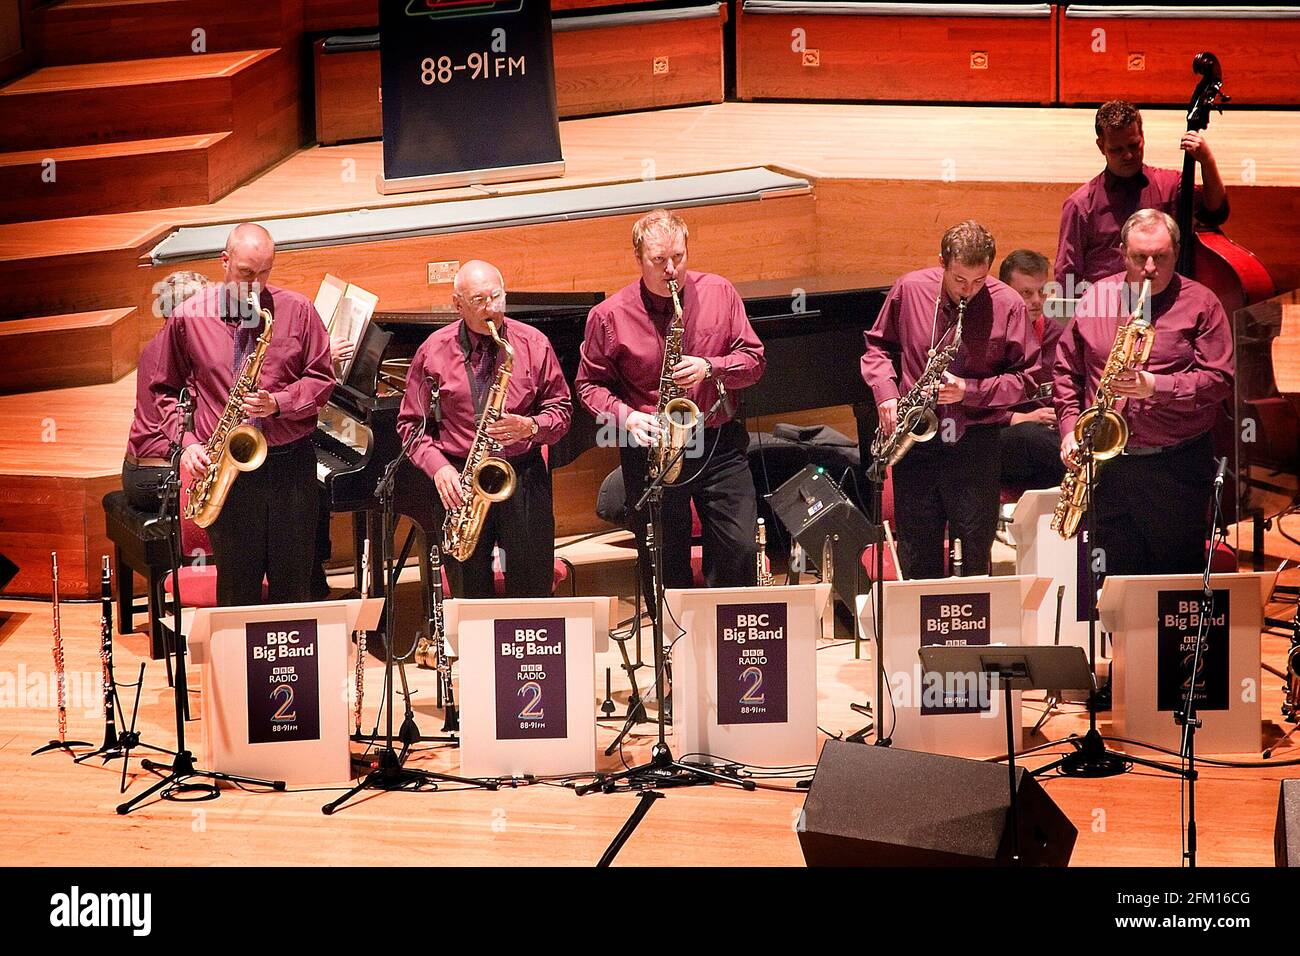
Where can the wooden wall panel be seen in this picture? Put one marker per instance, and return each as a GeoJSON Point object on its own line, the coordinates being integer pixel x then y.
{"type": "Point", "coordinates": [929, 59]}
{"type": "Point", "coordinates": [611, 69]}
{"type": "Point", "coordinates": [39, 515]}
{"type": "Point", "coordinates": [347, 95]}
{"type": "Point", "coordinates": [1149, 60]}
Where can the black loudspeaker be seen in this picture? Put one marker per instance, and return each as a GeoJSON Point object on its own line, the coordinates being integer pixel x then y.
{"type": "Point", "coordinates": [1286, 836]}
{"type": "Point", "coordinates": [812, 508]}
{"type": "Point", "coordinates": [7, 571]}
{"type": "Point", "coordinates": [880, 806]}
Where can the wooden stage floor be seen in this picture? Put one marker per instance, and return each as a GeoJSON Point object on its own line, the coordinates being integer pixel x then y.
{"type": "Point", "coordinates": [55, 813]}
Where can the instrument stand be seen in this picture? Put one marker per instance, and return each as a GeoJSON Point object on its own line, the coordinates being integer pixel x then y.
{"type": "Point", "coordinates": [636, 713]}
{"type": "Point", "coordinates": [876, 476]}
{"type": "Point", "coordinates": [1187, 717]}
{"type": "Point", "coordinates": [116, 745]}
{"type": "Point", "coordinates": [662, 770]}
{"type": "Point", "coordinates": [1091, 757]}
{"type": "Point", "coordinates": [390, 773]}
{"type": "Point", "coordinates": [182, 780]}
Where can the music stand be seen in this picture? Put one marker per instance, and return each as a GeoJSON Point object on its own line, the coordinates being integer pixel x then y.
{"type": "Point", "coordinates": [1016, 668]}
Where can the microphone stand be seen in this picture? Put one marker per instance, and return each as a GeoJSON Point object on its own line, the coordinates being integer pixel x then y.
{"type": "Point", "coordinates": [662, 770]}
{"type": "Point", "coordinates": [390, 772]}
{"type": "Point", "coordinates": [182, 780]}
{"type": "Point", "coordinates": [1187, 717]}
{"type": "Point", "coordinates": [876, 476]}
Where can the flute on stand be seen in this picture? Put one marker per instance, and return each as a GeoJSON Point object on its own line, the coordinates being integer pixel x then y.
{"type": "Point", "coordinates": [60, 673]}
{"type": "Point", "coordinates": [360, 679]}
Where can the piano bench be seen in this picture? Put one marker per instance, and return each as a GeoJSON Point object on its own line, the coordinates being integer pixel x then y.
{"type": "Point", "coordinates": [139, 550]}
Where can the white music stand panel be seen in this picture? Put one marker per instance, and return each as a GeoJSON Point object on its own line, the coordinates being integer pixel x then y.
{"type": "Point", "coordinates": [1042, 552]}
{"type": "Point", "coordinates": [508, 700]}
{"type": "Point", "coordinates": [749, 694]}
{"type": "Point", "coordinates": [275, 702]}
{"type": "Point", "coordinates": [978, 610]}
{"type": "Point", "coordinates": [1148, 677]}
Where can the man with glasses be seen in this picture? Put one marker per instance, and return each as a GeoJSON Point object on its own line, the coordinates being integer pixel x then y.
{"type": "Point", "coordinates": [462, 360]}
{"type": "Point", "coordinates": [1152, 501]}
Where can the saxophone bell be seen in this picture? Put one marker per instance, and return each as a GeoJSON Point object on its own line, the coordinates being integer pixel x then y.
{"type": "Point", "coordinates": [494, 479]}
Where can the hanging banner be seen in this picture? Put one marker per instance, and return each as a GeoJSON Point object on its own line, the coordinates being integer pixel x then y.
{"type": "Point", "coordinates": [468, 91]}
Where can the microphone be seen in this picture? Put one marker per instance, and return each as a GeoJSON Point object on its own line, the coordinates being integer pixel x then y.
{"type": "Point", "coordinates": [1218, 475]}
{"type": "Point", "coordinates": [185, 402]}
{"type": "Point", "coordinates": [435, 405]}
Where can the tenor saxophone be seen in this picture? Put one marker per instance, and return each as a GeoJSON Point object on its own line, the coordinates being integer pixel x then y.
{"type": "Point", "coordinates": [917, 419]}
{"type": "Point", "coordinates": [486, 477]}
{"type": "Point", "coordinates": [676, 414]}
{"type": "Point", "coordinates": [1102, 421]}
{"type": "Point", "coordinates": [235, 445]}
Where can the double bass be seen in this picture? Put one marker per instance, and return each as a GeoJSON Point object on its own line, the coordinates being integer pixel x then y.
{"type": "Point", "coordinates": [1232, 272]}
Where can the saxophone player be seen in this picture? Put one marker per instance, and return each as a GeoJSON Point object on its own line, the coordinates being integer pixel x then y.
{"type": "Point", "coordinates": [267, 526]}
{"type": "Point", "coordinates": [951, 481]}
{"type": "Point", "coordinates": [619, 381]}
{"type": "Point", "coordinates": [463, 359]}
{"type": "Point", "coordinates": [1152, 501]}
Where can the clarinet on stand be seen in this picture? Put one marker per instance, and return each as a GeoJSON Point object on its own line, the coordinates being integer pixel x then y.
{"type": "Point", "coordinates": [437, 630]}
{"type": "Point", "coordinates": [111, 747]}
{"type": "Point", "coordinates": [61, 676]}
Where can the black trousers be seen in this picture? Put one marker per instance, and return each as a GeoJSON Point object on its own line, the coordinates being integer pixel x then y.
{"type": "Point", "coordinates": [1031, 455]}
{"type": "Point", "coordinates": [1153, 510]}
{"type": "Point", "coordinates": [723, 493]}
{"type": "Point", "coordinates": [267, 527]}
{"type": "Point", "coordinates": [953, 486]}
{"type": "Point", "coordinates": [523, 526]}
{"type": "Point", "coordinates": [143, 486]}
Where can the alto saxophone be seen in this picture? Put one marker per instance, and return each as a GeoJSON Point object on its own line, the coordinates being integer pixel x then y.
{"type": "Point", "coordinates": [762, 565]}
{"type": "Point", "coordinates": [1102, 421]}
{"type": "Point", "coordinates": [676, 413]}
{"type": "Point", "coordinates": [917, 420]}
{"type": "Point", "coordinates": [485, 478]}
{"type": "Point", "coordinates": [235, 445]}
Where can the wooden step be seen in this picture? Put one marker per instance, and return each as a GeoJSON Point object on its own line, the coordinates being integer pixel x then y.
{"type": "Point", "coordinates": [68, 351]}
{"type": "Point", "coordinates": [60, 453]}
{"type": "Point", "coordinates": [119, 177]}
{"type": "Point", "coordinates": [93, 31]}
{"type": "Point", "coordinates": [142, 99]}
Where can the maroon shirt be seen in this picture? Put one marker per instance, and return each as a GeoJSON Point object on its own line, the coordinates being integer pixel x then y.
{"type": "Point", "coordinates": [998, 349]}
{"type": "Point", "coordinates": [623, 351]}
{"type": "Point", "coordinates": [198, 348]}
{"type": "Point", "coordinates": [1048, 332]}
{"type": "Point", "coordinates": [154, 425]}
{"type": "Point", "coordinates": [537, 389]}
{"type": "Point", "coordinates": [1091, 220]}
{"type": "Point", "coordinates": [1191, 360]}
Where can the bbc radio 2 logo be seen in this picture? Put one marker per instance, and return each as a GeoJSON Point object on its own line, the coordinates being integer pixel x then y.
{"type": "Point", "coordinates": [754, 690]}
{"type": "Point", "coordinates": [532, 709]}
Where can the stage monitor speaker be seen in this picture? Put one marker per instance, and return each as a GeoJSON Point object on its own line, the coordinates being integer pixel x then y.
{"type": "Point", "coordinates": [1286, 837]}
{"type": "Point", "coordinates": [8, 571]}
{"type": "Point", "coordinates": [880, 806]}
{"type": "Point", "coordinates": [812, 508]}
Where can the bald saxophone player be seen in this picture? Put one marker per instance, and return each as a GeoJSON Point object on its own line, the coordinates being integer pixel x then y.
{"type": "Point", "coordinates": [461, 361]}
{"type": "Point", "coordinates": [267, 526]}
{"type": "Point", "coordinates": [1152, 501]}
